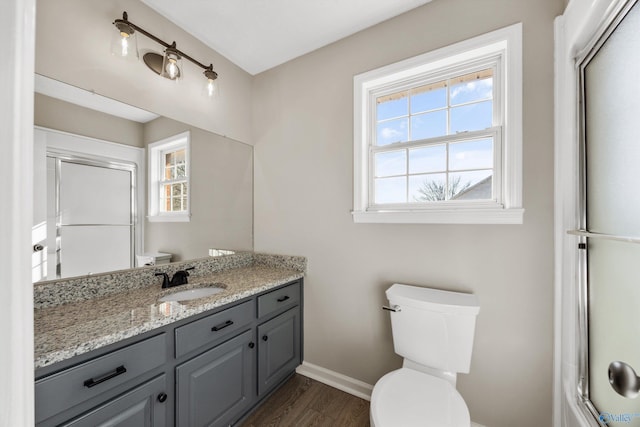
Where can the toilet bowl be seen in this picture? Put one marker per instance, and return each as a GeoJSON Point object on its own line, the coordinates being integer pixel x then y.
{"type": "Point", "coordinates": [433, 330]}
{"type": "Point", "coordinates": [409, 398]}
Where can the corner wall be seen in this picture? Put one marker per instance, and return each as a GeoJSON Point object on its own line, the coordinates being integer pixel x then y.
{"type": "Point", "coordinates": [221, 196]}
{"type": "Point", "coordinates": [303, 133]}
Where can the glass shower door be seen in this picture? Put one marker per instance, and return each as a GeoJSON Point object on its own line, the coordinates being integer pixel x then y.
{"type": "Point", "coordinates": [611, 223]}
{"type": "Point", "coordinates": [95, 217]}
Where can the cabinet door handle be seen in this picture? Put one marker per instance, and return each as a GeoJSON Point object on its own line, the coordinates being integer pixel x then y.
{"type": "Point", "coordinates": [162, 397]}
{"type": "Point", "coordinates": [251, 345]}
{"type": "Point", "coordinates": [222, 326]}
{"type": "Point", "coordinates": [265, 338]}
{"type": "Point", "coordinates": [95, 381]}
{"type": "Point", "coordinates": [284, 298]}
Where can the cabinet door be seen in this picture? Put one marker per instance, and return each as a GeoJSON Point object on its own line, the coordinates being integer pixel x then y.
{"type": "Point", "coordinates": [215, 388]}
{"type": "Point", "coordinates": [279, 349]}
{"type": "Point", "coordinates": [144, 406]}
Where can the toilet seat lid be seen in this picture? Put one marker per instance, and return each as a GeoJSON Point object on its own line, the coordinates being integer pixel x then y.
{"type": "Point", "coordinates": [411, 398]}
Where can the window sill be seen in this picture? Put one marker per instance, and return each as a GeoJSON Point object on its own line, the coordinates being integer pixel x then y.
{"type": "Point", "coordinates": [169, 218]}
{"type": "Point", "coordinates": [442, 216]}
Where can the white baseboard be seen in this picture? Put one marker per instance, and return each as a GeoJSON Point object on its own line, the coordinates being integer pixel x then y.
{"type": "Point", "coordinates": [336, 380]}
{"type": "Point", "coordinates": [341, 382]}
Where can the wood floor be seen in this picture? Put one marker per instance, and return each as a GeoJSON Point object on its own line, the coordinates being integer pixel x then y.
{"type": "Point", "coordinates": [303, 402]}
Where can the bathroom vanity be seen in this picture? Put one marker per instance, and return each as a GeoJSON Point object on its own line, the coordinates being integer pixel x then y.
{"type": "Point", "coordinates": [126, 358]}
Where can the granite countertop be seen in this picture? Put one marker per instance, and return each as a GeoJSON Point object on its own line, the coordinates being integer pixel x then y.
{"type": "Point", "coordinates": [66, 330]}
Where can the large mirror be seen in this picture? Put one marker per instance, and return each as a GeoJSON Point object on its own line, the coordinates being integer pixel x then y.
{"type": "Point", "coordinates": [92, 187]}
{"type": "Point", "coordinates": [73, 49]}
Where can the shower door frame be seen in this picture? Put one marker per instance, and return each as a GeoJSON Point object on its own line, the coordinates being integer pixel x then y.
{"type": "Point", "coordinates": [61, 156]}
{"type": "Point", "coordinates": [582, 60]}
{"type": "Point", "coordinates": [576, 30]}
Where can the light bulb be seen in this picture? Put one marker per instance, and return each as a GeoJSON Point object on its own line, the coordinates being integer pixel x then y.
{"type": "Point", "coordinates": [211, 87]}
{"type": "Point", "coordinates": [124, 44]}
{"type": "Point", "coordinates": [172, 68]}
{"type": "Point", "coordinates": [123, 41]}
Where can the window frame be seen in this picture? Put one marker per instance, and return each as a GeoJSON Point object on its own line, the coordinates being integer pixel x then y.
{"type": "Point", "coordinates": [501, 49]}
{"type": "Point", "coordinates": [157, 150]}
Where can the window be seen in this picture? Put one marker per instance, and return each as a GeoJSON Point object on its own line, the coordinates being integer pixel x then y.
{"type": "Point", "coordinates": [169, 179]}
{"type": "Point", "coordinates": [438, 137]}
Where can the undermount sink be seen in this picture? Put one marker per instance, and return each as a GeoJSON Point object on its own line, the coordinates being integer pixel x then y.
{"type": "Point", "coordinates": [191, 294]}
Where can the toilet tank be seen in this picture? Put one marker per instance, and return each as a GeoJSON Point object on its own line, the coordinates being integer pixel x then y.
{"type": "Point", "coordinates": [433, 328]}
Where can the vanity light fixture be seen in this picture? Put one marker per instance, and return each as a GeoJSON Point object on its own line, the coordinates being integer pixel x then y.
{"type": "Point", "coordinates": [169, 65]}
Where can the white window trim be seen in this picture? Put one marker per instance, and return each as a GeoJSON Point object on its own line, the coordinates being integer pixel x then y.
{"type": "Point", "coordinates": [506, 42]}
{"type": "Point", "coordinates": [155, 150]}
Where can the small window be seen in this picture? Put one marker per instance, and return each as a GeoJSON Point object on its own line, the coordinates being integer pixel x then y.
{"type": "Point", "coordinates": [169, 179]}
{"type": "Point", "coordinates": [438, 137]}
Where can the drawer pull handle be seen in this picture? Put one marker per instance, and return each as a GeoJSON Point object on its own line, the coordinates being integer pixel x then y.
{"type": "Point", "coordinates": [222, 326]}
{"type": "Point", "coordinates": [284, 298]}
{"type": "Point", "coordinates": [93, 382]}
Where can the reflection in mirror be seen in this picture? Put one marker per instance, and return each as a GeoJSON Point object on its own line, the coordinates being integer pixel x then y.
{"type": "Point", "coordinates": [89, 146]}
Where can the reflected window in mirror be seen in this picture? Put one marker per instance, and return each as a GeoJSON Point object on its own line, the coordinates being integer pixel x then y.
{"type": "Point", "coordinates": [169, 187]}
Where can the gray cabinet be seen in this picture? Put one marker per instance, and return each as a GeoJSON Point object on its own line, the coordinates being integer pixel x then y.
{"type": "Point", "coordinates": [144, 406]}
{"type": "Point", "coordinates": [278, 349]}
{"type": "Point", "coordinates": [215, 388]}
{"type": "Point", "coordinates": [209, 370]}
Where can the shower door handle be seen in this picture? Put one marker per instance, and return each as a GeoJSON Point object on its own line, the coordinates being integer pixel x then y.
{"type": "Point", "coordinates": [624, 380]}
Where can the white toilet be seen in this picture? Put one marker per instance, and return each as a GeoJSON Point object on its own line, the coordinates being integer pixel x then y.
{"type": "Point", "coordinates": [433, 331]}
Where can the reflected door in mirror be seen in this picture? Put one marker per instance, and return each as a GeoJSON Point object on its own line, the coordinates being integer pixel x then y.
{"type": "Point", "coordinates": [95, 218]}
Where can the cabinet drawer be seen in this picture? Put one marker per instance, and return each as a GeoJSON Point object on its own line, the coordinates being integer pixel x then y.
{"type": "Point", "coordinates": [61, 391]}
{"type": "Point", "coordinates": [214, 328]}
{"type": "Point", "coordinates": [278, 299]}
{"type": "Point", "coordinates": [140, 407]}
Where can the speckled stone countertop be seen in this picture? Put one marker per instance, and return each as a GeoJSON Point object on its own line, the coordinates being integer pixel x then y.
{"type": "Point", "coordinates": [66, 326]}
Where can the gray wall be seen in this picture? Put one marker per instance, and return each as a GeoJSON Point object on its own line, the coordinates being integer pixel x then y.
{"type": "Point", "coordinates": [221, 195]}
{"type": "Point", "coordinates": [303, 133]}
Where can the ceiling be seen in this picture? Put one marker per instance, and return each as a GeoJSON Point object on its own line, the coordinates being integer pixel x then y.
{"type": "Point", "coordinates": [258, 35]}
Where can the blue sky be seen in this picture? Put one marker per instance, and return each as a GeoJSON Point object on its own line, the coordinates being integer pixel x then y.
{"type": "Point", "coordinates": [424, 115]}
{"type": "Point", "coordinates": [428, 115]}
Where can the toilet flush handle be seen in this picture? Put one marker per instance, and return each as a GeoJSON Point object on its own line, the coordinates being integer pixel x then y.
{"type": "Point", "coordinates": [394, 308]}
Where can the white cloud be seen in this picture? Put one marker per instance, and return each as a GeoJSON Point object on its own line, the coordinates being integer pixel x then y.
{"type": "Point", "coordinates": [388, 133]}
{"type": "Point", "coordinates": [482, 87]}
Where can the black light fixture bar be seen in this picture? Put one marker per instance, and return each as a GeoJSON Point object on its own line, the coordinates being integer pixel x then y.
{"type": "Point", "coordinates": [125, 22]}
